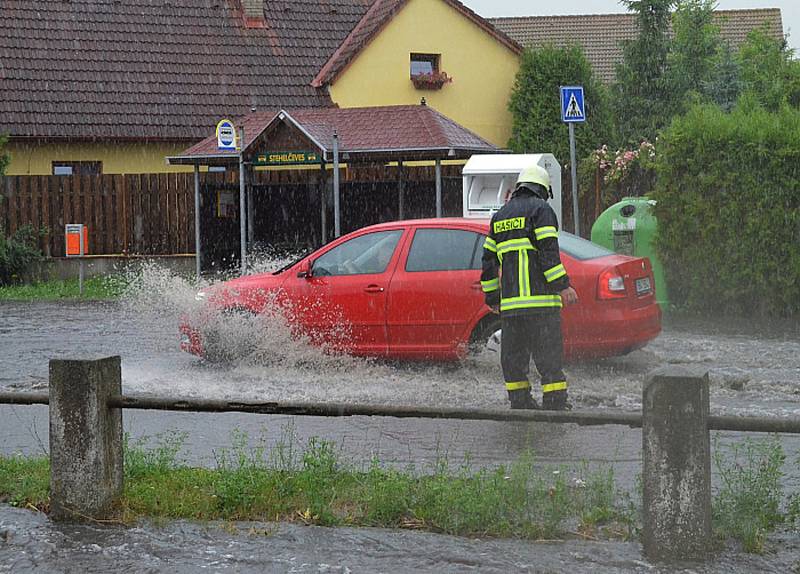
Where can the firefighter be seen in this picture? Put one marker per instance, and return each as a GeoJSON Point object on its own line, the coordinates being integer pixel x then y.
{"type": "Point", "coordinates": [529, 291]}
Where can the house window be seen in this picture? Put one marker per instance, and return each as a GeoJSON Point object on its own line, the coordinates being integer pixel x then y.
{"type": "Point", "coordinates": [424, 64]}
{"type": "Point", "coordinates": [77, 167]}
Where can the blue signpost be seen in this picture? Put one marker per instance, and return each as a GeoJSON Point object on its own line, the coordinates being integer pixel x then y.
{"type": "Point", "coordinates": [573, 111]}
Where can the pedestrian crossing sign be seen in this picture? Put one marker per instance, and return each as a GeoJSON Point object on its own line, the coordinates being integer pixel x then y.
{"type": "Point", "coordinates": [572, 104]}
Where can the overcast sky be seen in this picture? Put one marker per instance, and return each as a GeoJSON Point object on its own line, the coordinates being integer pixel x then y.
{"type": "Point", "coordinates": [790, 10]}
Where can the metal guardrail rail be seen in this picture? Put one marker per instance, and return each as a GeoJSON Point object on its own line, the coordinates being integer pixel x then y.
{"type": "Point", "coordinates": [585, 418]}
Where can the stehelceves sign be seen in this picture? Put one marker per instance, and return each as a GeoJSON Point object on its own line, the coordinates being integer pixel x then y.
{"type": "Point", "coordinates": [226, 135]}
{"type": "Point", "coordinates": [286, 158]}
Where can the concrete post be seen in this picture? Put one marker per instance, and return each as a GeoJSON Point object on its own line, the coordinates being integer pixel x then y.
{"type": "Point", "coordinates": [85, 438]}
{"type": "Point", "coordinates": [677, 466]}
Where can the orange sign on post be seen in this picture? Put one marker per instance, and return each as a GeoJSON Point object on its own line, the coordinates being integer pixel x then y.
{"type": "Point", "coordinates": [77, 239]}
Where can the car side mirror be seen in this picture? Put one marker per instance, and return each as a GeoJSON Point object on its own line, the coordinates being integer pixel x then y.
{"type": "Point", "coordinates": [305, 270]}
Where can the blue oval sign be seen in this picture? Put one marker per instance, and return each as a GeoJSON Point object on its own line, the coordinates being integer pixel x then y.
{"type": "Point", "coordinates": [226, 135]}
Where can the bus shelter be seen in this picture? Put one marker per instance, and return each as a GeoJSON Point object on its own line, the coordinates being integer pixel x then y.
{"type": "Point", "coordinates": [328, 137]}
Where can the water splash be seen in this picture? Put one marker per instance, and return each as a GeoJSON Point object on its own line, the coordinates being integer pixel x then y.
{"type": "Point", "coordinates": [160, 298]}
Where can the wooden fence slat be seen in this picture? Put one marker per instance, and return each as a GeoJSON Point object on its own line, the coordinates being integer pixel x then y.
{"type": "Point", "coordinates": [46, 223]}
{"type": "Point", "coordinates": [137, 209]}
{"type": "Point", "coordinates": [112, 228]}
{"type": "Point", "coordinates": [56, 214]}
{"type": "Point", "coordinates": [114, 210]}
{"type": "Point", "coordinates": [12, 205]}
{"type": "Point", "coordinates": [75, 200]}
{"type": "Point", "coordinates": [24, 204]}
{"type": "Point", "coordinates": [101, 221]}
{"type": "Point", "coordinates": [165, 192]}
{"type": "Point", "coordinates": [32, 217]}
{"type": "Point", "coordinates": [89, 189]}
{"type": "Point", "coordinates": [144, 209]}
{"type": "Point", "coordinates": [104, 208]}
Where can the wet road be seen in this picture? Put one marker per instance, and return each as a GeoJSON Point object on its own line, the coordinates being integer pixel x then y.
{"type": "Point", "coordinates": [751, 371]}
{"type": "Point", "coordinates": [30, 543]}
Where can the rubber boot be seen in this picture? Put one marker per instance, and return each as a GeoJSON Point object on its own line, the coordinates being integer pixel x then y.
{"type": "Point", "coordinates": [522, 399]}
{"type": "Point", "coordinates": [556, 401]}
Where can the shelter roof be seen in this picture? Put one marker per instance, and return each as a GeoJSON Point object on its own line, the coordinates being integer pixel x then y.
{"type": "Point", "coordinates": [368, 134]}
{"type": "Point", "coordinates": [375, 19]}
{"type": "Point", "coordinates": [602, 35]}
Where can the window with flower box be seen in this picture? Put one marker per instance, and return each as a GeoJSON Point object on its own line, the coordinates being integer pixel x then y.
{"type": "Point", "coordinates": [425, 72]}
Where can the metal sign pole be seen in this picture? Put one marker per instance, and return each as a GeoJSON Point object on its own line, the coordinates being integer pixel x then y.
{"type": "Point", "coordinates": [337, 231]}
{"type": "Point", "coordinates": [573, 109]}
{"type": "Point", "coordinates": [242, 207]}
{"type": "Point", "coordinates": [80, 265]}
{"type": "Point", "coordinates": [438, 188]}
{"type": "Point", "coordinates": [574, 171]}
{"type": "Point", "coordinates": [197, 253]}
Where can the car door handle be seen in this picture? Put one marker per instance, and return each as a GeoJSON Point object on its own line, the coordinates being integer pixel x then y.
{"type": "Point", "coordinates": [477, 286]}
{"type": "Point", "coordinates": [373, 289]}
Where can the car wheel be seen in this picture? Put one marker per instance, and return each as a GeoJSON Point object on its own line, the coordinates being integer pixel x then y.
{"type": "Point", "coordinates": [486, 337]}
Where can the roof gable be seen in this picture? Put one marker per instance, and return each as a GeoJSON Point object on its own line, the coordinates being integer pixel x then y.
{"type": "Point", "coordinates": [601, 35]}
{"type": "Point", "coordinates": [376, 19]}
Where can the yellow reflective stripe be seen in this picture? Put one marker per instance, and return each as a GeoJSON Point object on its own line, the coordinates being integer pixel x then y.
{"type": "Point", "coordinates": [490, 285]}
{"type": "Point", "coordinates": [559, 386]}
{"type": "Point", "coordinates": [530, 302]}
{"type": "Point", "coordinates": [514, 244]}
{"type": "Point", "coordinates": [545, 232]}
{"type": "Point", "coordinates": [517, 385]}
{"type": "Point", "coordinates": [526, 276]}
{"type": "Point", "coordinates": [490, 244]}
{"type": "Point", "coordinates": [555, 272]}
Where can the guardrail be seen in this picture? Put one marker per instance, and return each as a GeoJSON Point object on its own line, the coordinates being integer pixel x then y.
{"type": "Point", "coordinates": [582, 418]}
{"type": "Point", "coordinates": [85, 402]}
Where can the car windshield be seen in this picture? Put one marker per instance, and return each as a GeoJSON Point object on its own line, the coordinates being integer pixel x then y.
{"type": "Point", "coordinates": [580, 248]}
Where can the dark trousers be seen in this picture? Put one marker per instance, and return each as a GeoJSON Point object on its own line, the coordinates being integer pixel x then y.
{"type": "Point", "coordinates": [536, 335]}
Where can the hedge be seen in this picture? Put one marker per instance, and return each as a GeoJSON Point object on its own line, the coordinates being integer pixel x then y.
{"type": "Point", "coordinates": [728, 193]}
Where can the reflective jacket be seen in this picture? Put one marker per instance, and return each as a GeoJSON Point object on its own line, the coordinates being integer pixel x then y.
{"type": "Point", "coordinates": [523, 243]}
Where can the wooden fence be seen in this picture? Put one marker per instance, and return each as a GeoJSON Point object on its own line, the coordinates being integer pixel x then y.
{"type": "Point", "coordinates": [148, 214]}
{"type": "Point", "coordinates": [142, 213]}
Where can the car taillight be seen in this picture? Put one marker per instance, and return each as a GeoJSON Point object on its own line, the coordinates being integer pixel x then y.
{"type": "Point", "coordinates": [611, 285]}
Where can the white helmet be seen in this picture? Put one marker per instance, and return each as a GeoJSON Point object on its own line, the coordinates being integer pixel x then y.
{"type": "Point", "coordinates": [534, 176]}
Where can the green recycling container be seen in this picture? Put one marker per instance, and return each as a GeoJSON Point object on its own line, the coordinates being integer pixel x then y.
{"type": "Point", "coordinates": [629, 227]}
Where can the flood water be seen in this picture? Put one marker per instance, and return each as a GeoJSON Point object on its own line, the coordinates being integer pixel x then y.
{"type": "Point", "coordinates": [753, 370]}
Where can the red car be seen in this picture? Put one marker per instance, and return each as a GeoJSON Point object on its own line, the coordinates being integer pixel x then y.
{"type": "Point", "coordinates": [411, 289]}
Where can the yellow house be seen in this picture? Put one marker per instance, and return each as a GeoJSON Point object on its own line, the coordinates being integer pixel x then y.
{"type": "Point", "coordinates": [120, 85]}
{"type": "Point", "coordinates": [381, 58]}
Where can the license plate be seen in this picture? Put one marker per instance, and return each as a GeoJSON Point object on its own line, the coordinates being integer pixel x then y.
{"type": "Point", "coordinates": [643, 286]}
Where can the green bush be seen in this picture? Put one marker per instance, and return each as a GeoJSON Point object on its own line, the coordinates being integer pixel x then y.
{"type": "Point", "coordinates": [534, 103]}
{"type": "Point", "coordinates": [17, 253]}
{"type": "Point", "coordinates": [728, 193]}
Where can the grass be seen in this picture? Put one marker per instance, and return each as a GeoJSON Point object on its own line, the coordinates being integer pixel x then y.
{"type": "Point", "coordinates": [94, 288]}
{"type": "Point", "coordinates": [751, 502]}
{"type": "Point", "coordinates": [316, 487]}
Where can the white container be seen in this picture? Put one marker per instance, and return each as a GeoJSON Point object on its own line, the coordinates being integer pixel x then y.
{"type": "Point", "coordinates": [490, 179]}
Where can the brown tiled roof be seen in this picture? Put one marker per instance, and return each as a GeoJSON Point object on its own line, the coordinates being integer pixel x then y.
{"type": "Point", "coordinates": [601, 35]}
{"type": "Point", "coordinates": [363, 132]}
{"type": "Point", "coordinates": [159, 69]}
{"type": "Point", "coordinates": [376, 18]}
